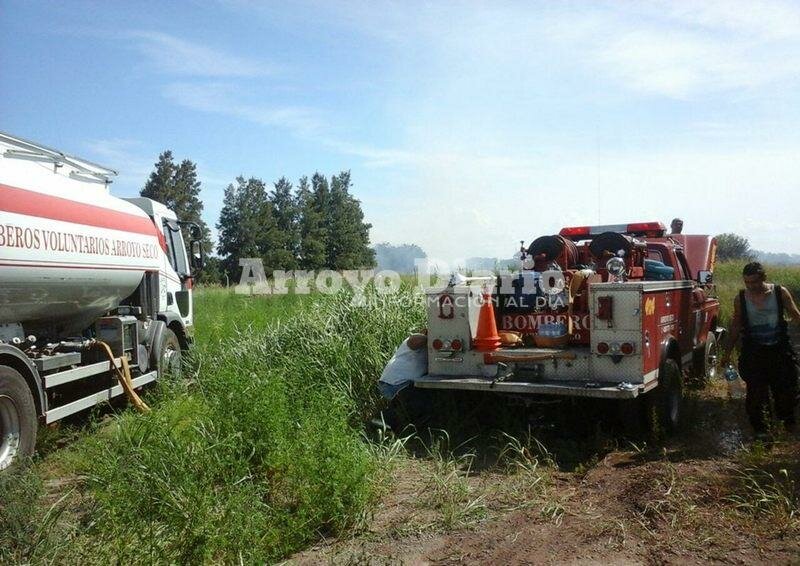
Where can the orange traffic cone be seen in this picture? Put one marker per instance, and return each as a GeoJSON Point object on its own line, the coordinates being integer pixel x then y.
{"type": "Point", "coordinates": [486, 337]}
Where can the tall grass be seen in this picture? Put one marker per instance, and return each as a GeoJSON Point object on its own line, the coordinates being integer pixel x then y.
{"type": "Point", "coordinates": [258, 453]}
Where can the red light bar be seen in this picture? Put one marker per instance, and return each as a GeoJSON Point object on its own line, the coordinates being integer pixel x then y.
{"type": "Point", "coordinates": [575, 231]}
{"type": "Point", "coordinates": [650, 227]}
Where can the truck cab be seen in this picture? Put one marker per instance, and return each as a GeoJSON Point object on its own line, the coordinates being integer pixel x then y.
{"type": "Point", "coordinates": [176, 268]}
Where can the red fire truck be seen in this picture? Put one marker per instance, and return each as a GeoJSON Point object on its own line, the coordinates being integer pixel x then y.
{"type": "Point", "coordinates": [616, 312]}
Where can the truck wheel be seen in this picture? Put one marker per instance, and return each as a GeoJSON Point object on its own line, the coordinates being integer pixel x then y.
{"type": "Point", "coordinates": [665, 403]}
{"type": "Point", "coordinates": [411, 408]}
{"type": "Point", "coordinates": [706, 362]}
{"type": "Point", "coordinates": [18, 422]}
{"type": "Point", "coordinates": [169, 361]}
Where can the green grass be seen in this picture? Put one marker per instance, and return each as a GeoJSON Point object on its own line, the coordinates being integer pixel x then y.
{"type": "Point", "coordinates": [257, 454]}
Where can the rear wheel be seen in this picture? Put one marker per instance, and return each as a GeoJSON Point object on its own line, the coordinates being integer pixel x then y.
{"type": "Point", "coordinates": [18, 422]}
{"type": "Point", "coordinates": [411, 407]}
{"type": "Point", "coordinates": [169, 361]}
{"type": "Point", "coordinates": [665, 402]}
{"type": "Point", "coordinates": [658, 412]}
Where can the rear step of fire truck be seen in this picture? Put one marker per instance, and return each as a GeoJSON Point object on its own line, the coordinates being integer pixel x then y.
{"type": "Point", "coordinates": [530, 365]}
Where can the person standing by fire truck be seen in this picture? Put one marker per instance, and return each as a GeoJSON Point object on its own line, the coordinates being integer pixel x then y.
{"type": "Point", "coordinates": [767, 361]}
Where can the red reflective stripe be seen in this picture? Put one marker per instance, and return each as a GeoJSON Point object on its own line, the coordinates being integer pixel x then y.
{"type": "Point", "coordinates": [31, 203]}
{"type": "Point", "coordinates": [80, 266]}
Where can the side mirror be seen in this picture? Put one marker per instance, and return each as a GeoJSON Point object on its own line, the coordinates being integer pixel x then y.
{"type": "Point", "coordinates": [197, 256]}
{"type": "Point", "coordinates": [705, 277]}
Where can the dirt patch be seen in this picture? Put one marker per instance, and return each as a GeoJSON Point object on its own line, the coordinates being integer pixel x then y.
{"type": "Point", "coordinates": [673, 503]}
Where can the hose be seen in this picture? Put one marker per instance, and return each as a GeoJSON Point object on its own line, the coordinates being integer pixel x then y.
{"type": "Point", "coordinates": [124, 377]}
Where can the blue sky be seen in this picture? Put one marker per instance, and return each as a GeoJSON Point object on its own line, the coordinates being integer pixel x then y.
{"type": "Point", "coordinates": [467, 126]}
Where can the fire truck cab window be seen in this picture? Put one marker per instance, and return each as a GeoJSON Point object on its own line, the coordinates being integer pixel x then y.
{"type": "Point", "coordinates": [175, 250]}
{"type": "Point", "coordinates": [657, 266]}
{"type": "Point", "coordinates": [683, 266]}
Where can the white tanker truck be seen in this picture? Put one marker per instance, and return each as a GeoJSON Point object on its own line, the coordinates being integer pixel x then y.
{"type": "Point", "coordinates": [81, 269]}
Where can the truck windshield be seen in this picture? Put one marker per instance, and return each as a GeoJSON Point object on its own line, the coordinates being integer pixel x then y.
{"type": "Point", "coordinates": [175, 249]}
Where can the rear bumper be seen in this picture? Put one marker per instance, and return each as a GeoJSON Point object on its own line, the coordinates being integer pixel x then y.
{"type": "Point", "coordinates": [560, 388]}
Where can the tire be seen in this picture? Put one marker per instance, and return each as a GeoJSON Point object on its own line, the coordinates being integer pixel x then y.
{"type": "Point", "coordinates": [169, 359]}
{"type": "Point", "coordinates": [705, 364]}
{"type": "Point", "coordinates": [412, 408]}
{"type": "Point", "coordinates": [18, 419]}
{"type": "Point", "coordinates": [631, 417]}
{"type": "Point", "coordinates": [665, 402]}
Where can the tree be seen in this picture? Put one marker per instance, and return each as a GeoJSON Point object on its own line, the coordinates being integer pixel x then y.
{"type": "Point", "coordinates": [348, 234]}
{"type": "Point", "coordinates": [239, 223]}
{"type": "Point", "coordinates": [178, 188]}
{"type": "Point", "coordinates": [286, 220]}
{"type": "Point", "coordinates": [313, 236]}
{"type": "Point", "coordinates": [321, 226]}
{"type": "Point", "coordinates": [211, 274]}
{"type": "Point", "coordinates": [248, 228]}
{"type": "Point", "coordinates": [733, 247]}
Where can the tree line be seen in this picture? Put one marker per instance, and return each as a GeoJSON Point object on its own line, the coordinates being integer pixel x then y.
{"type": "Point", "coordinates": [316, 225]}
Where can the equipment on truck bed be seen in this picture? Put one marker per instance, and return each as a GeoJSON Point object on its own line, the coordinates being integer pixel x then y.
{"type": "Point", "coordinates": [616, 312]}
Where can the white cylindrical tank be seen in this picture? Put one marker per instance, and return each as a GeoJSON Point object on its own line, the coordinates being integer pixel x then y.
{"type": "Point", "coordinates": [69, 251]}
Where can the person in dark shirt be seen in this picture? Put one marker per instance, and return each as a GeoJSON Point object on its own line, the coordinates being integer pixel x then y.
{"type": "Point", "coordinates": [676, 226]}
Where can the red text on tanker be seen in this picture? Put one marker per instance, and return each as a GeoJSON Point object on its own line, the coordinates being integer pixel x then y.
{"type": "Point", "coordinates": [50, 240]}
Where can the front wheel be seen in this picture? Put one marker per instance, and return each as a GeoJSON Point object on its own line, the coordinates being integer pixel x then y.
{"type": "Point", "coordinates": [169, 360]}
{"type": "Point", "coordinates": [18, 422]}
{"type": "Point", "coordinates": [706, 361]}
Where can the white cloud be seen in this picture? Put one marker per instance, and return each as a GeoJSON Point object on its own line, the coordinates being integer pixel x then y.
{"type": "Point", "coordinates": [765, 19]}
{"type": "Point", "coordinates": [482, 174]}
{"type": "Point", "coordinates": [475, 209]}
{"type": "Point", "coordinates": [373, 157]}
{"type": "Point", "coordinates": [677, 50]}
{"type": "Point", "coordinates": [177, 56]}
{"type": "Point", "coordinates": [125, 156]}
{"type": "Point", "coordinates": [224, 99]}
{"type": "Point", "coordinates": [303, 122]}
{"type": "Point", "coordinates": [666, 48]}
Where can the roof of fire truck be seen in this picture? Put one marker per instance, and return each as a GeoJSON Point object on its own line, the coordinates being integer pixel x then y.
{"type": "Point", "coordinates": [699, 249]}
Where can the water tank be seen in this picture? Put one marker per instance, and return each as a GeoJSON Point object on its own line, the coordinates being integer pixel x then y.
{"type": "Point", "coordinates": [69, 250]}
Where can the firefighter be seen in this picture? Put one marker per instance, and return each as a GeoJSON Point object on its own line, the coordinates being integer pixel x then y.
{"type": "Point", "coordinates": [767, 361]}
{"type": "Point", "coordinates": [676, 226]}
